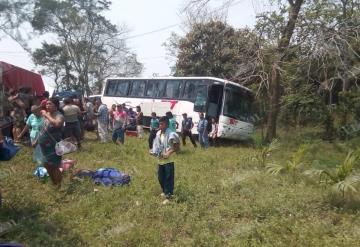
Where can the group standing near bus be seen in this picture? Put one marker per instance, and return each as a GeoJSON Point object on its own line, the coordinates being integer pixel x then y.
{"type": "Point", "coordinates": [218, 99]}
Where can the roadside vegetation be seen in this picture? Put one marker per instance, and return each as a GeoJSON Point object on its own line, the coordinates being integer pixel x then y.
{"type": "Point", "coordinates": [225, 196]}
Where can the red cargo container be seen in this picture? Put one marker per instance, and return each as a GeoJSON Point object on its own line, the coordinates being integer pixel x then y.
{"type": "Point", "coordinates": [16, 77]}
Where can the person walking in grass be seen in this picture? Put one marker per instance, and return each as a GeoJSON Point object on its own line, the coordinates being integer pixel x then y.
{"type": "Point", "coordinates": [202, 129]}
{"type": "Point", "coordinates": [102, 121]}
{"type": "Point", "coordinates": [166, 143]}
{"type": "Point", "coordinates": [119, 124]}
{"type": "Point", "coordinates": [186, 126]}
{"type": "Point", "coordinates": [173, 125]}
{"type": "Point", "coordinates": [139, 122]}
{"type": "Point", "coordinates": [154, 127]}
{"type": "Point", "coordinates": [72, 125]}
{"type": "Point", "coordinates": [111, 116]}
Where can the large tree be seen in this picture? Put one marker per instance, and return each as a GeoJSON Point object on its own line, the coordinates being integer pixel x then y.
{"type": "Point", "coordinates": [13, 14]}
{"type": "Point", "coordinates": [275, 76]}
{"type": "Point", "coordinates": [88, 45]}
{"type": "Point", "coordinates": [214, 48]}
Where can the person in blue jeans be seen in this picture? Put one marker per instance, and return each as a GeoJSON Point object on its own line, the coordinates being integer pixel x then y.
{"type": "Point", "coordinates": [166, 143]}
{"type": "Point", "coordinates": [203, 131]}
{"type": "Point", "coordinates": [119, 124]}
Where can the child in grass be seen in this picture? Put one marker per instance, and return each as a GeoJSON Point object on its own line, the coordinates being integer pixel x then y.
{"type": "Point", "coordinates": [165, 144]}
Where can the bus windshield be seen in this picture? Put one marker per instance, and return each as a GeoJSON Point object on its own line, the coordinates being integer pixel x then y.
{"type": "Point", "coordinates": [237, 103]}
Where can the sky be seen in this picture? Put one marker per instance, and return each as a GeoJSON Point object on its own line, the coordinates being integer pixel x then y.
{"type": "Point", "coordinates": [150, 24]}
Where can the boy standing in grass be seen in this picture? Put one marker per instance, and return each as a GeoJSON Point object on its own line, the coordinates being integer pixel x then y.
{"type": "Point", "coordinates": [165, 144]}
{"type": "Point", "coordinates": [154, 127]}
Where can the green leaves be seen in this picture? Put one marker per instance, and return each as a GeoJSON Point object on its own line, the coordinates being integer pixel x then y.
{"type": "Point", "coordinates": [89, 47]}
{"type": "Point", "coordinates": [213, 48]}
{"type": "Point", "coordinates": [344, 179]}
{"type": "Point", "coordinates": [262, 157]}
{"type": "Point", "coordinates": [348, 185]}
{"type": "Point", "coordinates": [292, 165]}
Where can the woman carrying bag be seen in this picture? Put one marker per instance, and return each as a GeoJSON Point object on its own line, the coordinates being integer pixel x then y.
{"type": "Point", "coordinates": [49, 136]}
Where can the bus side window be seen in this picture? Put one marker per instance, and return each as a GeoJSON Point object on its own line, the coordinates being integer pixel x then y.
{"type": "Point", "coordinates": [181, 88]}
{"type": "Point", "coordinates": [172, 89]}
{"type": "Point", "coordinates": [201, 98]}
{"type": "Point", "coordinates": [111, 88]}
{"type": "Point", "coordinates": [159, 88]}
{"type": "Point", "coordinates": [137, 88]}
{"type": "Point", "coordinates": [150, 88]}
{"type": "Point", "coordinates": [189, 91]}
{"type": "Point", "coordinates": [122, 88]}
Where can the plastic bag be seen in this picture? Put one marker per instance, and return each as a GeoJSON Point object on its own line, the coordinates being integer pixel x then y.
{"type": "Point", "coordinates": [64, 147]}
{"type": "Point", "coordinates": [38, 157]}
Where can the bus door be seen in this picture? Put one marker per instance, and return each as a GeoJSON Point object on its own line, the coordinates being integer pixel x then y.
{"type": "Point", "coordinates": [208, 99]}
{"type": "Point", "coordinates": [214, 102]}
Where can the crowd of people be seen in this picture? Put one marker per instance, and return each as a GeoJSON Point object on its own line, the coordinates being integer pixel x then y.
{"type": "Point", "coordinates": [47, 123]}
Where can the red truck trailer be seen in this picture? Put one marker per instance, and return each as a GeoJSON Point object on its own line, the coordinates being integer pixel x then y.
{"type": "Point", "coordinates": [13, 77]}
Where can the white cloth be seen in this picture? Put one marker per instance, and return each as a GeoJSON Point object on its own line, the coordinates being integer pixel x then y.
{"type": "Point", "coordinates": [102, 130]}
{"type": "Point", "coordinates": [140, 131]}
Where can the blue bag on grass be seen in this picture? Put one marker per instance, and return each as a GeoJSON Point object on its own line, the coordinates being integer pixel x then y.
{"type": "Point", "coordinates": [110, 176]}
{"type": "Point", "coordinates": [8, 149]}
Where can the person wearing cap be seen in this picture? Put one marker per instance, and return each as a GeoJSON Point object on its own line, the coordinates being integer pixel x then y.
{"type": "Point", "coordinates": [186, 126]}
{"type": "Point", "coordinates": [34, 123]}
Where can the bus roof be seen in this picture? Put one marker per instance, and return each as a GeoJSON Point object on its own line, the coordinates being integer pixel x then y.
{"type": "Point", "coordinates": [182, 78]}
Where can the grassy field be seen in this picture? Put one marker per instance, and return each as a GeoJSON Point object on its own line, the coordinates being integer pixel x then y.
{"type": "Point", "coordinates": [224, 197]}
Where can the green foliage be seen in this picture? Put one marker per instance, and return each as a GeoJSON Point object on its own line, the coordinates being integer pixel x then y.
{"type": "Point", "coordinates": [214, 48]}
{"type": "Point", "coordinates": [301, 104]}
{"type": "Point", "coordinates": [13, 16]}
{"type": "Point", "coordinates": [263, 155]}
{"type": "Point", "coordinates": [88, 47]}
{"type": "Point", "coordinates": [343, 178]}
{"type": "Point", "coordinates": [349, 103]}
{"type": "Point", "coordinates": [290, 166]}
{"type": "Point", "coordinates": [216, 191]}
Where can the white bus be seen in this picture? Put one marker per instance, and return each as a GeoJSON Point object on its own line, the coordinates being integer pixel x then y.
{"type": "Point", "coordinates": [229, 103]}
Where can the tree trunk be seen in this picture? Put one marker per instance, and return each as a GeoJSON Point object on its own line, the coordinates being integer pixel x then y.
{"type": "Point", "coordinates": [274, 88]}
{"type": "Point", "coordinates": [345, 56]}
{"type": "Point", "coordinates": [274, 84]}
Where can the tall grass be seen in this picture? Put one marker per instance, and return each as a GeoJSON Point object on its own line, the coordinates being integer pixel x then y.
{"type": "Point", "coordinates": [222, 198]}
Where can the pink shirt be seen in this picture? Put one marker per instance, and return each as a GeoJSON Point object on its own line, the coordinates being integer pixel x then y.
{"type": "Point", "coordinates": [119, 119]}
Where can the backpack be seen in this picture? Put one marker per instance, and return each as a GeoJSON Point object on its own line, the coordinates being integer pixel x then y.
{"type": "Point", "coordinates": [8, 149]}
{"type": "Point", "coordinates": [110, 176]}
{"type": "Point", "coordinates": [81, 174]}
